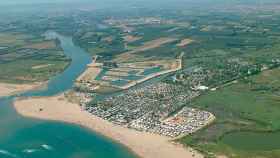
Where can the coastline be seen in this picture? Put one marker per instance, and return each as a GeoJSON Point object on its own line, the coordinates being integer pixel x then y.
{"type": "Point", "coordinates": [8, 89]}
{"type": "Point", "coordinates": [145, 145]}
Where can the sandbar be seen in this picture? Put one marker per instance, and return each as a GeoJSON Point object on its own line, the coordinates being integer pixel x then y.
{"type": "Point", "coordinates": [7, 89]}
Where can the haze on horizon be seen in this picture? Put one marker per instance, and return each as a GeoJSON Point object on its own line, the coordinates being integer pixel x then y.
{"type": "Point", "coordinates": [17, 2]}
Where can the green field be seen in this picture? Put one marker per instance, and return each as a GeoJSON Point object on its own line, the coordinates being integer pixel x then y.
{"type": "Point", "coordinates": [29, 58]}
{"type": "Point", "coordinates": [251, 104]}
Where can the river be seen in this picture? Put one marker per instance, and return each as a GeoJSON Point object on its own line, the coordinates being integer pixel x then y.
{"type": "Point", "coordinates": [22, 137]}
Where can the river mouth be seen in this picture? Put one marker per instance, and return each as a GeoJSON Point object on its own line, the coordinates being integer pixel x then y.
{"type": "Point", "coordinates": [32, 138]}
{"type": "Point", "coordinates": [253, 141]}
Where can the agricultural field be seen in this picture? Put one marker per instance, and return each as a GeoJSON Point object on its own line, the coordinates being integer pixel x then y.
{"type": "Point", "coordinates": [250, 104]}
{"type": "Point", "coordinates": [27, 58]}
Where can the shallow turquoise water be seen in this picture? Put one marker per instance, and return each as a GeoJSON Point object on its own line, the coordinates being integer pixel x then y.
{"type": "Point", "coordinates": [30, 138]}
{"type": "Point", "coordinates": [151, 70]}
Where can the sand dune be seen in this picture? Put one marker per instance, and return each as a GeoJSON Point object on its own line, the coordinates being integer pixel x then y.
{"type": "Point", "coordinates": [145, 145]}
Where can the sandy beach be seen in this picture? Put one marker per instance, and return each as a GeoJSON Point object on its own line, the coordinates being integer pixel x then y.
{"type": "Point", "coordinates": [145, 145]}
{"type": "Point", "coordinates": [7, 89]}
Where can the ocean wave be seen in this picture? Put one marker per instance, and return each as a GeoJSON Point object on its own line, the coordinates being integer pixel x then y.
{"type": "Point", "coordinates": [7, 153]}
{"type": "Point", "coordinates": [47, 147]}
{"type": "Point", "coordinates": [29, 150]}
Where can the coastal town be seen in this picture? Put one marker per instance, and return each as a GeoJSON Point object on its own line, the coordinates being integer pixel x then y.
{"type": "Point", "coordinates": [156, 108]}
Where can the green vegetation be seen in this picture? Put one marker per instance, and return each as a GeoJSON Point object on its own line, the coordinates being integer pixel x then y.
{"type": "Point", "coordinates": [29, 58]}
{"type": "Point", "coordinates": [106, 42]}
{"type": "Point", "coordinates": [251, 104]}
